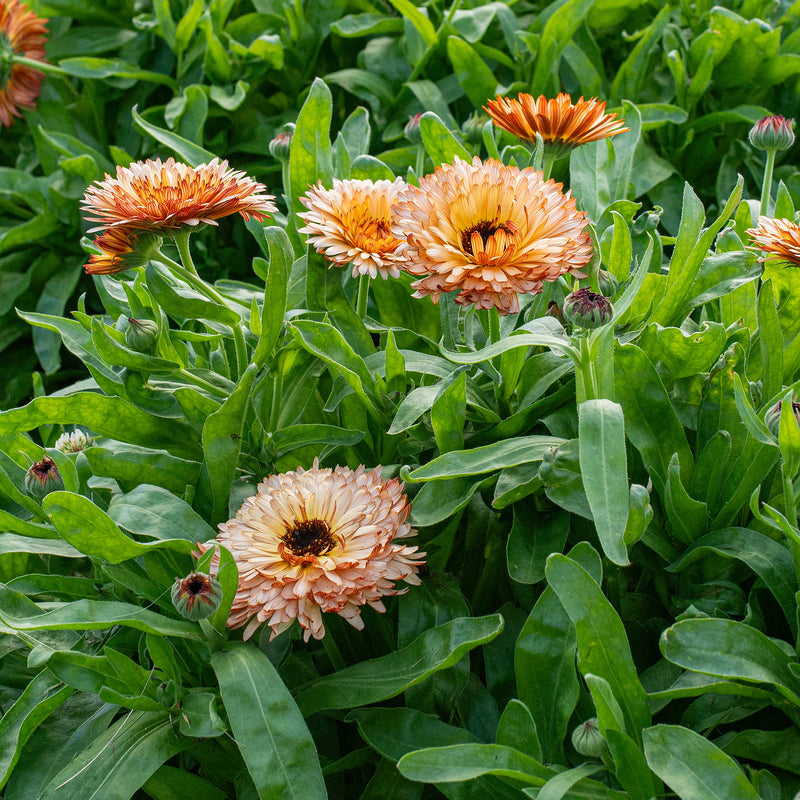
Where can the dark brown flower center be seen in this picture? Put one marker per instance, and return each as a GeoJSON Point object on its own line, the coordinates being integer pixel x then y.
{"type": "Point", "coordinates": [195, 584]}
{"type": "Point", "coordinates": [486, 230]}
{"type": "Point", "coordinates": [309, 537]}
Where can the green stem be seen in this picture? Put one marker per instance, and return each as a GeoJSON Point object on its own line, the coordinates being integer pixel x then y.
{"type": "Point", "coordinates": [419, 166]}
{"type": "Point", "coordinates": [585, 368]}
{"type": "Point", "coordinates": [332, 651]}
{"type": "Point", "coordinates": [363, 296]}
{"type": "Point", "coordinates": [182, 243]}
{"type": "Point", "coordinates": [547, 165]}
{"type": "Point", "coordinates": [203, 384]}
{"type": "Point", "coordinates": [241, 350]}
{"type": "Point", "coordinates": [766, 186]}
{"type": "Point", "coordinates": [494, 326]}
{"type": "Point", "coordinates": [193, 280]}
{"type": "Point", "coordinates": [42, 66]}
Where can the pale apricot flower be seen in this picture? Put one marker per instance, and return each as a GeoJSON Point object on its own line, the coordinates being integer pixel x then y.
{"type": "Point", "coordinates": [489, 232]}
{"type": "Point", "coordinates": [169, 196]}
{"type": "Point", "coordinates": [561, 123]}
{"type": "Point", "coordinates": [22, 33]}
{"type": "Point", "coordinates": [314, 541]}
{"type": "Point", "coordinates": [779, 238]}
{"type": "Point", "coordinates": [351, 224]}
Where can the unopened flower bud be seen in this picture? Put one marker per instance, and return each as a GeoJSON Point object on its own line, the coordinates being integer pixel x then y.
{"type": "Point", "coordinates": [587, 309]}
{"type": "Point", "coordinates": [773, 417]}
{"type": "Point", "coordinates": [412, 131]}
{"type": "Point", "coordinates": [607, 282]}
{"type": "Point", "coordinates": [281, 145]}
{"type": "Point", "coordinates": [142, 335]}
{"type": "Point", "coordinates": [73, 442]}
{"type": "Point", "coordinates": [42, 478]}
{"type": "Point", "coordinates": [588, 740]}
{"type": "Point", "coordinates": [473, 128]}
{"type": "Point", "coordinates": [196, 596]}
{"type": "Point", "coordinates": [772, 133]}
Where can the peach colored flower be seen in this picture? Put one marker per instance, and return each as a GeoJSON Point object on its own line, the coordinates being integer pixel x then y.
{"type": "Point", "coordinates": [352, 224]}
{"type": "Point", "coordinates": [778, 238]}
{"type": "Point", "coordinates": [314, 541]}
{"type": "Point", "coordinates": [149, 195]}
{"type": "Point", "coordinates": [121, 249]}
{"type": "Point", "coordinates": [489, 232]}
{"type": "Point", "coordinates": [23, 33]}
{"type": "Point", "coordinates": [561, 124]}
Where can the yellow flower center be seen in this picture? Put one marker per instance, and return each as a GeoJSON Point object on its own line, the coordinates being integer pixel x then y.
{"type": "Point", "coordinates": [373, 236]}
{"type": "Point", "coordinates": [308, 537]}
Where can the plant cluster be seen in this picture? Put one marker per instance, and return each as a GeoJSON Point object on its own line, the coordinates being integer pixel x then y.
{"type": "Point", "coordinates": [449, 447]}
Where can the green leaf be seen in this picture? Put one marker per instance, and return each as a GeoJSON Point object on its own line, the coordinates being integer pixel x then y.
{"type": "Point", "coordinates": [295, 436]}
{"type": "Point", "coordinates": [730, 649]}
{"type": "Point", "coordinates": [517, 729]}
{"type": "Point", "coordinates": [533, 537]}
{"type": "Point", "coordinates": [559, 785]}
{"type": "Point", "coordinates": [471, 71]}
{"type": "Point", "coordinates": [693, 767]}
{"type": "Point", "coordinates": [273, 738]}
{"type": "Point", "coordinates": [440, 499]}
{"type": "Point", "coordinates": [448, 414]}
{"type": "Point", "coordinates": [181, 302]}
{"type": "Point", "coordinates": [171, 783]}
{"type": "Point", "coordinates": [91, 531]}
{"type": "Point", "coordinates": [95, 68]}
{"type": "Point", "coordinates": [603, 647]}
{"type": "Point", "coordinates": [188, 151]}
{"type": "Point", "coordinates": [11, 543]}
{"type": "Point", "coordinates": [687, 517]}
{"type": "Point", "coordinates": [601, 437]}
{"type": "Point", "coordinates": [119, 761]}
{"type": "Point", "coordinates": [39, 699]}
{"type": "Point", "coordinates": [440, 144]}
{"type": "Point", "coordinates": [273, 311]}
{"type": "Point", "coordinates": [423, 25]}
{"type": "Point", "coordinates": [381, 678]}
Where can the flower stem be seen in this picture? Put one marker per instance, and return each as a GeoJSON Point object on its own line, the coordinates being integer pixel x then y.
{"type": "Point", "coordinates": [193, 280]}
{"type": "Point", "coordinates": [419, 166]}
{"type": "Point", "coordinates": [547, 165]}
{"type": "Point", "coordinates": [494, 326]}
{"type": "Point", "coordinates": [363, 296]}
{"type": "Point", "coordinates": [766, 186]}
{"type": "Point", "coordinates": [182, 243]}
{"type": "Point", "coordinates": [332, 651]}
{"type": "Point", "coordinates": [587, 377]}
{"type": "Point", "coordinates": [42, 66]}
{"type": "Point", "coordinates": [202, 384]}
{"type": "Point", "coordinates": [790, 511]}
{"type": "Point", "coordinates": [240, 347]}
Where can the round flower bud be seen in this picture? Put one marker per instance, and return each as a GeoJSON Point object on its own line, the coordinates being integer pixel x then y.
{"type": "Point", "coordinates": [772, 133]}
{"type": "Point", "coordinates": [473, 128]}
{"type": "Point", "coordinates": [196, 596]}
{"type": "Point", "coordinates": [607, 282]}
{"type": "Point", "coordinates": [73, 442]}
{"type": "Point", "coordinates": [588, 740]}
{"type": "Point", "coordinates": [281, 145]}
{"type": "Point", "coordinates": [587, 309]}
{"type": "Point", "coordinates": [142, 335]}
{"type": "Point", "coordinates": [42, 478]}
{"type": "Point", "coordinates": [773, 417]}
{"type": "Point", "coordinates": [412, 131]}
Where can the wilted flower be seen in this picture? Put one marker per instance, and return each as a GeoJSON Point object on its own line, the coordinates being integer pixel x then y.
{"type": "Point", "coordinates": [121, 249]}
{"type": "Point", "coordinates": [73, 442]}
{"type": "Point", "coordinates": [489, 231]}
{"type": "Point", "coordinates": [772, 133]}
{"type": "Point", "coordinates": [169, 196]}
{"type": "Point", "coordinates": [779, 238]}
{"type": "Point", "coordinates": [281, 145]}
{"type": "Point", "coordinates": [587, 309]}
{"type": "Point", "coordinates": [21, 33]}
{"type": "Point", "coordinates": [561, 124]}
{"type": "Point", "coordinates": [352, 224]}
{"type": "Point", "coordinates": [318, 540]}
{"type": "Point", "coordinates": [196, 596]}
{"type": "Point", "coordinates": [411, 130]}
{"type": "Point", "coordinates": [588, 740]}
{"type": "Point", "coordinates": [141, 335]}
{"type": "Point", "coordinates": [42, 478]}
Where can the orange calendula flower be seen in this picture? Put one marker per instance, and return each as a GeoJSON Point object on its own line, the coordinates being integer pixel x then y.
{"type": "Point", "coordinates": [352, 224]}
{"type": "Point", "coordinates": [779, 238]}
{"type": "Point", "coordinates": [121, 249]}
{"type": "Point", "coordinates": [21, 33]}
{"type": "Point", "coordinates": [489, 232]}
{"type": "Point", "coordinates": [561, 123]}
{"type": "Point", "coordinates": [315, 541]}
{"type": "Point", "coordinates": [169, 196]}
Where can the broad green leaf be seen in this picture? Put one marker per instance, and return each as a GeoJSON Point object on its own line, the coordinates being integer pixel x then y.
{"type": "Point", "coordinates": [471, 71]}
{"type": "Point", "coordinates": [91, 531]}
{"type": "Point", "coordinates": [39, 699]}
{"type": "Point", "coordinates": [603, 647]}
{"type": "Point", "coordinates": [559, 785]}
{"type": "Point", "coordinates": [275, 292]}
{"type": "Point", "coordinates": [440, 144]}
{"type": "Point", "coordinates": [188, 151]}
{"type": "Point", "coordinates": [181, 302]}
{"type": "Point", "coordinates": [267, 725]}
{"type": "Point", "coordinates": [95, 68]}
{"type": "Point", "coordinates": [12, 543]}
{"type": "Point", "coordinates": [448, 415]}
{"type": "Point", "coordinates": [693, 767]}
{"type": "Point", "coordinates": [770, 341]}
{"type": "Point", "coordinates": [296, 436]}
{"type": "Point", "coordinates": [687, 517]}
{"type": "Point", "coordinates": [601, 438]}
{"type": "Point", "coordinates": [117, 763]}
{"type": "Point", "coordinates": [172, 783]}
{"type": "Point", "coordinates": [533, 537]}
{"type": "Point", "coordinates": [387, 676]}
{"type": "Point", "coordinates": [517, 729]}
{"type": "Point", "coordinates": [419, 20]}
{"type": "Point", "coordinates": [440, 499]}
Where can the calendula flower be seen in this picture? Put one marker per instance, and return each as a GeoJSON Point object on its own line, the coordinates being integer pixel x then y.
{"type": "Point", "coordinates": [352, 224]}
{"type": "Point", "coordinates": [171, 196]}
{"type": "Point", "coordinates": [772, 133]}
{"type": "Point", "coordinates": [318, 541]}
{"type": "Point", "coordinates": [489, 232]}
{"type": "Point", "coordinates": [121, 249]}
{"type": "Point", "coordinates": [21, 33]}
{"type": "Point", "coordinates": [779, 238]}
{"type": "Point", "coordinates": [561, 123]}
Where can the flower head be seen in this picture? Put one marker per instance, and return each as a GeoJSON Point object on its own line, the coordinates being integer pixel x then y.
{"type": "Point", "coordinates": [561, 123]}
{"type": "Point", "coordinates": [352, 224]}
{"type": "Point", "coordinates": [281, 145]}
{"type": "Point", "coordinates": [587, 309]}
{"type": "Point", "coordinates": [196, 596]}
{"type": "Point", "coordinates": [21, 33]}
{"type": "Point", "coordinates": [778, 238]}
{"type": "Point", "coordinates": [73, 442]}
{"type": "Point", "coordinates": [168, 196]}
{"type": "Point", "coordinates": [42, 478]}
{"type": "Point", "coordinates": [489, 231]}
{"type": "Point", "coordinates": [318, 540]}
{"type": "Point", "coordinates": [772, 133]}
{"type": "Point", "coordinates": [141, 335]}
{"type": "Point", "coordinates": [121, 249]}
